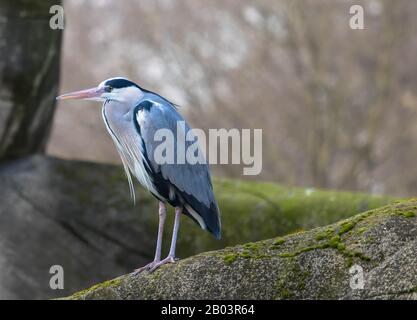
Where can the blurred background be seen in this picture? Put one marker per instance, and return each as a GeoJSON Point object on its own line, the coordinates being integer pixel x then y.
{"type": "Point", "coordinates": [337, 106]}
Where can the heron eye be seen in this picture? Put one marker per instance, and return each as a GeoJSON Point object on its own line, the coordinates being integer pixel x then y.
{"type": "Point", "coordinates": [109, 88]}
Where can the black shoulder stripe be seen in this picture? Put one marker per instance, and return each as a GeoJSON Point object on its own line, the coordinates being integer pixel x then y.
{"type": "Point", "coordinates": [143, 105]}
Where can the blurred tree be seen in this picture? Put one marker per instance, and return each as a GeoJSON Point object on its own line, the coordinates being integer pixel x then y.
{"type": "Point", "coordinates": [29, 75]}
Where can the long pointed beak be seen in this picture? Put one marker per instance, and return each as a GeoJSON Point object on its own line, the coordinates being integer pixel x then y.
{"type": "Point", "coordinates": [92, 93]}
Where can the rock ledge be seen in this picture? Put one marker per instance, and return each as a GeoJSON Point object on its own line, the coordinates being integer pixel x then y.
{"type": "Point", "coordinates": [306, 265]}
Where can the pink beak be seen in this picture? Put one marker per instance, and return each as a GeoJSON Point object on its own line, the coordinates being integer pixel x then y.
{"type": "Point", "coordinates": [83, 94]}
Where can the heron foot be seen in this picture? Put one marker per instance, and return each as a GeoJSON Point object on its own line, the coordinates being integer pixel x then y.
{"type": "Point", "coordinates": [169, 259]}
{"type": "Point", "coordinates": [148, 267]}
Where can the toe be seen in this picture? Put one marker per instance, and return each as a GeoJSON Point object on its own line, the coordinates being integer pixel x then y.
{"type": "Point", "coordinates": [149, 266]}
{"type": "Point", "coordinates": [168, 259]}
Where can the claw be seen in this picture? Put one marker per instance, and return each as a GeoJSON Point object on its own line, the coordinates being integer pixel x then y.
{"type": "Point", "coordinates": [168, 259]}
{"type": "Point", "coordinates": [147, 267]}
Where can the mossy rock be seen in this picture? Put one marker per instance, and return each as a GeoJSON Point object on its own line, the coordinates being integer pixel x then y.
{"type": "Point", "coordinates": [250, 211]}
{"type": "Point", "coordinates": [315, 264]}
{"type": "Point", "coordinates": [80, 215]}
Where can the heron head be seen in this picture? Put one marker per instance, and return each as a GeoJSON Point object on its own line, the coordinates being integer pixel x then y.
{"type": "Point", "coordinates": [116, 89]}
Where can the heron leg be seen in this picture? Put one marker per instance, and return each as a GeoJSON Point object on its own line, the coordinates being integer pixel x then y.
{"type": "Point", "coordinates": [171, 255]}
{"type": "Point", "coordinates": [162, 216]}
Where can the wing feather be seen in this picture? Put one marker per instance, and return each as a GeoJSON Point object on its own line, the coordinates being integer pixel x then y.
{"type": "Point", "coordinates": [191, 179]}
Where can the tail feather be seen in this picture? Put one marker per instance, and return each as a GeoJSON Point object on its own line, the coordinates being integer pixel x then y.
{"type": "Point", "coordinates": [207, 217]}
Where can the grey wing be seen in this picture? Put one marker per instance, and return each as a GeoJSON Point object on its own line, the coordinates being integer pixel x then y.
{"type": "Point", "coordinates": [193, 180]}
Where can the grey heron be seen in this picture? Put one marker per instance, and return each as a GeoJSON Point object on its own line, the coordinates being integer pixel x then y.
{"type": "Point", "coordinates": [132, 116]}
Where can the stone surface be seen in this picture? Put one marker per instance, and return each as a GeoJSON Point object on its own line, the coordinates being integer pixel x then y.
{"type": "Point", "coordinates": [29, 75]}
{"type": "Point", "coordinates": [307, 265]}
{"type": "Point", "coordinates": [80, 215]}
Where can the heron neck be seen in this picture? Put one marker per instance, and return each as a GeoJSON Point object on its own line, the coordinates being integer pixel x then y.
{"type": "Point", "coordinates": [116, 110]}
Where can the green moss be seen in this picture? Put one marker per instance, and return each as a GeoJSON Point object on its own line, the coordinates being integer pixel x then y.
{"type": "Point", "coordinates": [296, 231]}
{"type": "Point", "coordinates": [251, 210]}
{"type": "Point", "coordinates": [341, 247]}
{"type": "Point", "coordinates": [332, 237]}
{"type": "Point", "coordinates": [230, 258]}
{"type": "Point", "coordinates": [334, 241]}
{"type": "Point", "coordinates": [362, 230]}
{"type": "Point", "coordinates": [346, 226]}
{"type": "Point", "coordinates": [275, 210]}
{"type": "Point", "coordinates": [277, 243]}
{"type": "Point", "coordinates": [253, 250]}
{"type": "Point", "coordinates": [326, 234]}
{"type": "Point", "coordinates": [405, 201]}
{"type": "Point", "coordinates": [246, 254]}
{"type": "Point", "coordinates": [349, 261]}
{"type": "Point", "coordinates": [111, 283]}
{"type": "Point", "coordinates": [362, 256]}
{"type": "Point", "coordinates": [409, 214]}
{"type": "Point", "coordinates": [284, 294]}
{"type": "Point", "coordinates": [251, 246]}
{"type": "Point", "coordinates": [321, 236]}
{"type": "Point", "coordinates": [107, 284]}
{"type": "Point", "coordinates": [292, 273]}
{"type": "Point", "coordinates": [413, 289]}
{"type": "Point", "coordinates": [403, 208]}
